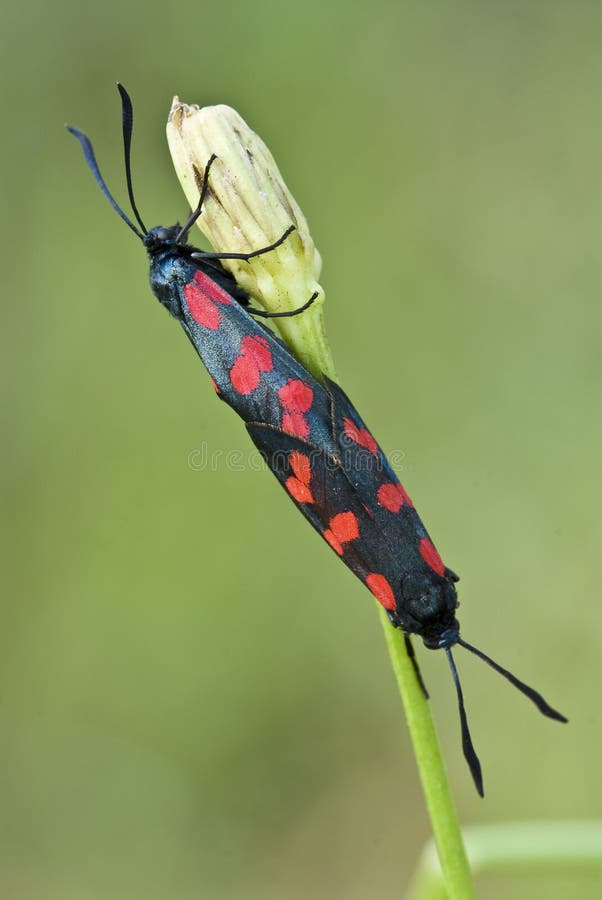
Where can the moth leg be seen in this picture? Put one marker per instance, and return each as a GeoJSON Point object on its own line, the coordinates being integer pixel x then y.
{"type": "Point", "coordinates": [281, 315]}
{"type": "Point", "coordinates": [414, 661]}
{"type": "Point", "coordinates": [244, 256]}
{"type": "Point", "coordinates": [183, 233]}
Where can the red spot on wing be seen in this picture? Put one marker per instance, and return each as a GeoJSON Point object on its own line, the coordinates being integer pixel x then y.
{"type": "Point", "coordinates": [214, 383]}
{"type": "Point", "coordinates": [381, 589]}
{"type": "Point", "coordinates": [255, 358]}
{"type": "Point", "coordinates": [392, 496]}
{"type": "Point", "coordinates": [431, 557]}
{"type": "Point", "coordinates": [301, 466]}
{"type": "Point", "coordinates": [258, 348]}
{"type": "Point", "coordinates": [211, 289]}
{"type": "Point", "coordinates": [333, 541]}
{"type": "Point", "coordinates": [360, 436]}
{"type": "Point", "coordinates": [202, 309]}
{"type": "Point", "coordinates": [201, 295]}
{"type": "Point", "coordinates": [298, 491]}
{"type": "Point", "coordinates": [296, 396]}
{"type": "Point", "coordinates": [296, 424]}
{"type": "Point", "coordinates": [245, 375]}
{"type": "Point", "coordinates": [298, 485]}
{"type": "Point", "coordinates": [343, 528]}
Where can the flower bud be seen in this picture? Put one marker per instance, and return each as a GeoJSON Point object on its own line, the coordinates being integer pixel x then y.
{"type": "Point", "coordinates": [248, 206]}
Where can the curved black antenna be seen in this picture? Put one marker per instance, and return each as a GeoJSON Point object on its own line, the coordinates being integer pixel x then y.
{"type": "Point", "coordinates": [467, 746]}
{"type": "Point", "coordinates": [127, 124]}
{"type": "Point", "coordinates": [533, 695]}
{"type": "Point", "coordinates": [93, 166]}
{"type": "Point", "coordinates": [183, 232]}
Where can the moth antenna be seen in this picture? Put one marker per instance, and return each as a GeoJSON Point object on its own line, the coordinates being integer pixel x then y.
{"type": "Point", "coordinates": [127, 125]}
{"type": "Point", "coordinates": [529, 692]}
{"type": "Point", "coordinates": [93, 166]}
{"type": "Point", "coordinates": [467, 746]}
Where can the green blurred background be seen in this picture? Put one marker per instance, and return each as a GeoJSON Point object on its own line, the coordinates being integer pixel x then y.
{"type": "Point", "coordinates": [195, 698]}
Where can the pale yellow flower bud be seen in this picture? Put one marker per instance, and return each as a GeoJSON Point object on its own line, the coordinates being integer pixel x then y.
{"type": "Point", "coordinates": [248, 206]}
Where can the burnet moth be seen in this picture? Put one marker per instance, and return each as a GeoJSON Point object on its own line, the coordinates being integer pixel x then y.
{"type": "Point", "coordinates": [310, 436]}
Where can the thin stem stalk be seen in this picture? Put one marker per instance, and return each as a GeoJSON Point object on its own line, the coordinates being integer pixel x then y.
{"type": "Point", "coordinates": [440, 805]}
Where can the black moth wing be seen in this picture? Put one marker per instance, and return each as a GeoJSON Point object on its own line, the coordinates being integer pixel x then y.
{"type": "Point", "coordinates": [318, 485]}
{"type": "Point", "coordinates": [377, 485]}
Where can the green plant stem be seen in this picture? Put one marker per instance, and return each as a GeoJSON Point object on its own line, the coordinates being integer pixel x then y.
{"type": "Point", "coordinates": [444, 819]}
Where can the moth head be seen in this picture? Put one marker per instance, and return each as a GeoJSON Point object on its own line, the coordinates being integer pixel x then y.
{"type": "Point", "coordinates": [431, 601]}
